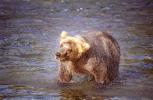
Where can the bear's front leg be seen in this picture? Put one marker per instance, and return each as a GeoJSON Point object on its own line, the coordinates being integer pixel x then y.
{"type": "Point", "coordinates": [64, 75]}
{"type": "Point", "coordinates": [65, 71]}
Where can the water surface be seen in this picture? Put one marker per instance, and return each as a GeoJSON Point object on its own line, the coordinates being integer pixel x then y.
{"type": "Point", "coordinates": [29, 36]}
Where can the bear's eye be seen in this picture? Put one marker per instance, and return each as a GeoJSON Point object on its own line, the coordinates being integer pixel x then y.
{"type": "Point", "coordinates": [69, 50]}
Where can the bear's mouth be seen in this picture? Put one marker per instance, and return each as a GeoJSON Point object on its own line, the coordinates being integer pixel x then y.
{"type": "Point", "coordinates": [61, 57]}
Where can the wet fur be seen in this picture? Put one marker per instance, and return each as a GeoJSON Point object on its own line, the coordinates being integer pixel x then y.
{"type": "Point", "coordinates": [101, 60]}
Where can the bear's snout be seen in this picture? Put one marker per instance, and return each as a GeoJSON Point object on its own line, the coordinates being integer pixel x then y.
{"type": "Point", "coordinates": [58, 54]}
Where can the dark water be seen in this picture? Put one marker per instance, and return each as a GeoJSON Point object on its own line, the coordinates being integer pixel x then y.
{"type": "Point", "coordinates": [29, 32]}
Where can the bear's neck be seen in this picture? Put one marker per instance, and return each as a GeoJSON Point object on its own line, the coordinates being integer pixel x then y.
{"type": "Point", "coordinates": [85, 56]}
{"type": "Point", "coordinates": [81, 62]}
{"type": "Point", "coordinates": [83, 59]}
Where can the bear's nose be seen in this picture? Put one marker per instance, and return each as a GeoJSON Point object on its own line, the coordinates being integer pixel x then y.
{"type": "Point", "coordinates": [58, 54]}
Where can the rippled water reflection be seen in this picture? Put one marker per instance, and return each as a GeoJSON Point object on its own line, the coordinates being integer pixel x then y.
{"type": "Point", "coordinates": [29, 32]}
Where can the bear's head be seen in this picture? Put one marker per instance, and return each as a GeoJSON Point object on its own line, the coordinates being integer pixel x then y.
{"type": "Point", "coordinates": [71, 48]}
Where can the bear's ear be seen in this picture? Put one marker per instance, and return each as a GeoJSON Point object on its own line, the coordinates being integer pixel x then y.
{"type": "Point", "coordinates": [63, 34]}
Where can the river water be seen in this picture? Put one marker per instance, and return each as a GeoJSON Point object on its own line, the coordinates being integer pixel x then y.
{"type": "Point", "coordinates": [29, 36]}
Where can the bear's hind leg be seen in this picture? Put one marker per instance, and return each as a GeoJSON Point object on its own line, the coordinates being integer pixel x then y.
{"type": "Point", "coordinates": [101, 76]}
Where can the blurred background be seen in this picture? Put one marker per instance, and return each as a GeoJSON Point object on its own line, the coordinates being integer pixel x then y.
{"type": "Point", "coordinates": [29, 38]}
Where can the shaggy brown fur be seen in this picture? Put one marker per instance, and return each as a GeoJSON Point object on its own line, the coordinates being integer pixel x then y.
{"type": "Point", "coordinates": [99, 57]}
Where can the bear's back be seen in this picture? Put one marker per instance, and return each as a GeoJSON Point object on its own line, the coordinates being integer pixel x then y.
{"type": "Point", "coordinates": [103, 45]}
{"type": "Point", "coordinates": [106, 50]}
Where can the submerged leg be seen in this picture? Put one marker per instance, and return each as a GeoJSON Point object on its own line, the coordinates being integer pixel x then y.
{"type": "Point", "coordinates": [64, 75]}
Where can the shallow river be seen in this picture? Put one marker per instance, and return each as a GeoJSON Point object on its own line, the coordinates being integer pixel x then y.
{"type": "Point", "coordinates": [29, 36]}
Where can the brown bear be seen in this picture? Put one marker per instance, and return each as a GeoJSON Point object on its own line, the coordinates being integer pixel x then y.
{"type": "Point", "coordinates": [95, 53]}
